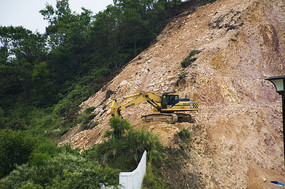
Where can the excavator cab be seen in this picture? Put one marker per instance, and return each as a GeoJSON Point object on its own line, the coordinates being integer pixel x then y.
{"type": "Point", "coordinates": [169, 99]}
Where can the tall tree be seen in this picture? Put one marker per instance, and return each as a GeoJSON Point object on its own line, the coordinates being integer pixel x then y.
{"type": "Point", "coordinates": [68, 34]}
{"type": "Point", "coordinates": [20, 51]}
{"type": "Point", "coordinates": [135, 22]}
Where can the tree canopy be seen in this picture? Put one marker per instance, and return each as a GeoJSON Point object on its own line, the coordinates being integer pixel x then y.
{"type": "Point", "coordinates": [82, 49]}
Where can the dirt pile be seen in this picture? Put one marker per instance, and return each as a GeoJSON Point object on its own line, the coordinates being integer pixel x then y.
{"type": "Point", "coordinates": [241, 43]}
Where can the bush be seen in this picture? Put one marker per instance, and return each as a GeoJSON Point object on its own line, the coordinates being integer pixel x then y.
{"type": "Point", "coordinates": [15, 149]}
{"type": "Point", "coordinates": [189, 59]}
{"type": "Point", "coordinates": [85, 119]}
{"type": "Point", "coordinates": [43, 152]}
{"type": "Point", "coordinates": [16, 179]}
{"type": "Point", "coordinates": [120, 127]}
{"type": "Point", "coordinates": [126, 146]}
{"type": "Point", "coordinates": [152, 181]}
{"type": "Point", "coordinates": [71, 171]}
{"type": "Point", "coordinates": [68, 106]}
{"type": "Point", "coordinates": [184, 134]}
{"type": "Point", "coordinates": [62, 171]}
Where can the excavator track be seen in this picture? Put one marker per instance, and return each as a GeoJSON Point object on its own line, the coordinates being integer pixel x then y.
{"type": "Point", "coordinates": [168, 117]}
{"type": "Point", "coordinates": [184, 117]}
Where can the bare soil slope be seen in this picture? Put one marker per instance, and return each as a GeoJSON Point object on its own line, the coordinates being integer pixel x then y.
{"type": "Point", "coordinates": [240, 141]}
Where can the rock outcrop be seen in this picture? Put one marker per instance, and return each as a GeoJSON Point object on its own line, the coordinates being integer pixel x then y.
{"type": "Point", "coordinates": [241, 43]}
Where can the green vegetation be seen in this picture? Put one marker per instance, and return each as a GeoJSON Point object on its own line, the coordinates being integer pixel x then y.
{"type": "Point", "coordinates": [184, 134]}
{"type": "Point", "coordinates": [67, 169]}
{"type": "Point", "coordinates": [189, 59]}
{"type": "Point", "coordinates": [125, 146]}
{"type": "Point", "coordinates": [15, 148]}
{"type": "Point", "coordinates": [34, 162]}
{"type": "Point", "coordinates": [86, 118]}
{"type": "Point", "coordinates": [153, 178]}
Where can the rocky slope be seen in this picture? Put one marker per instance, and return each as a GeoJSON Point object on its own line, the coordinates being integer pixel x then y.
{"type": "Point", "coordinates": [240, 141]}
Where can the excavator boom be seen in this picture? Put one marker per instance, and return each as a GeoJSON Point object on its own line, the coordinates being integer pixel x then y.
{"type": "Point", "coordinates": [149, 97]}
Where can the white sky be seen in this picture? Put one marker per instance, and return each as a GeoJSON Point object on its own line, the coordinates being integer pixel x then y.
{"type": "Point", "coordinates": [26, 12]}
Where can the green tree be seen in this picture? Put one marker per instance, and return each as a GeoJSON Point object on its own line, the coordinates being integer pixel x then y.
{"type": "Point", "coordinates": [20, 51]}
{"type": "Point", "coordinates": [68, 34]}
{"type": "Point", "coordinates": [134, 17]}
{"type": "Point", "coordinates": [119, 128]}
{"type": "Point", "coordinates": [105, 38]}
{"type": "Point", "coordinates": [18, 43]}
{"type": "Point", "coordinates": [15, 149]}
{"type": "Point", "coordinates": [43, 93]}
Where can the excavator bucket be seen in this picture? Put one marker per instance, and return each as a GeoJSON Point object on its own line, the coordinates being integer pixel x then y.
{"type": "Point", "coordinates": [115, 109]}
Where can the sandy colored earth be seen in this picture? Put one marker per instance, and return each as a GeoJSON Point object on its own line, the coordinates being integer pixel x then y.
{"type": "Point", "coordinates": [242, 43]}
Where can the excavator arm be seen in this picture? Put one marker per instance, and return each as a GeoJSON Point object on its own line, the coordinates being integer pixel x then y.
{"type": "Point", "coordinates": [151, 98]}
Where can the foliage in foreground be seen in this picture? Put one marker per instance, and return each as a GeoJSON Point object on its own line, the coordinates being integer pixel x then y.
{"type": "Point", "coordinates": [63, 171]}
{"type": "Point", "coordinates": [153, 178]}
{"type": "Point", "coordinates": [27, 161]}
{"type": "Point", "coordinates": [15, 148]}
{"type": "Point", "coordinates": [33, 162]}
{"type": "Point", "coordinates": [124, 148]}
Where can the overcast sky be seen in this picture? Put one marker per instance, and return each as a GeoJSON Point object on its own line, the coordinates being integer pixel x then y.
{"type": "Point", "coordinates": [26, 12]}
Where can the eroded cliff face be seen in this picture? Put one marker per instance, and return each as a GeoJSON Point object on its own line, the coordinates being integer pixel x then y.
{"type": "Point", "coordinates": [240, 143]}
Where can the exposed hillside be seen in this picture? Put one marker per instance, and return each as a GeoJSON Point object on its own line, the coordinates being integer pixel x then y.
{"type": "Point", "coordinates": [238, 143]}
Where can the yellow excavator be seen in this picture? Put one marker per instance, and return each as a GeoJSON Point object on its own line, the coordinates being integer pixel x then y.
{"type": "Point", "coordinates": [168, 104]}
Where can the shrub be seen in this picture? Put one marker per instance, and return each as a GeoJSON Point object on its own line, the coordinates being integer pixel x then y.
{"type": "Point", "coordinates": [151, 181]}
{"type": "Point", "coordinates": [16, 178]}
{"type": "Point", "coordinates": [119, 128]}
{"type": "Point", "coordinates": [85, 119]}
{"type": "Point", "coordinates": [189, 59]}
{"type": "Point", "coordinates": [62, 171]}
{"type": "Point", "coordinates": [90, 109]}
{"type": "Point", "coordinates": [184, 134]}
{"type": "Point", "coordinates": [45, 150]}
{"type": "Point", "coordinates": [68, 106]}
{"type": "Point", "coordinates": [15, 149]}
{"type": "Point", "coordinates": [71, 171]}
{"type": "Point", "coordinates": [126, 146]}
